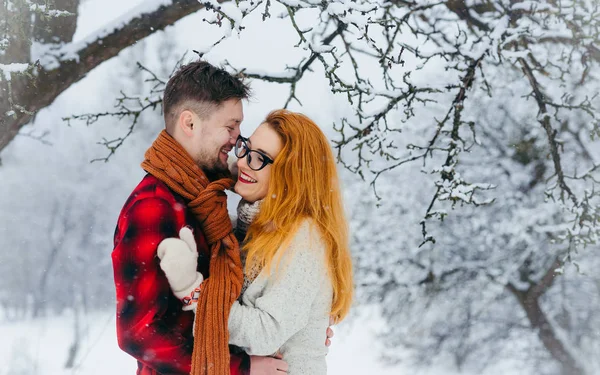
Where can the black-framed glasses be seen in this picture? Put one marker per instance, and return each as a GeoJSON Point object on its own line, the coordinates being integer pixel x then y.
{"type": "Point", "coordinates": [256, 160]}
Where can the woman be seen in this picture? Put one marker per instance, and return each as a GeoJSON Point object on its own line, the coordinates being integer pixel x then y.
{"type": "Point", "coordinates": [298, 268]}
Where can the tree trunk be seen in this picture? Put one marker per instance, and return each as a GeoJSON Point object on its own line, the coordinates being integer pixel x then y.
{"type": "Point", "coordinates": [56, 29]}
{"type": "Point", "coordinates": [76, 344]}
{"type": "Point", "coordinates": [530, 302]}
{"type": "Point", "coordinates": [40, 299]}
{"type": "Point", "coordinates": [39, 303]}
{"type": "Point", "coordinates": [17, 26]}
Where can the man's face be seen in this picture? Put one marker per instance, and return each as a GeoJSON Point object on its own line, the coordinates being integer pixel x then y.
{"type": "Point", "coordinates": [215, 136]}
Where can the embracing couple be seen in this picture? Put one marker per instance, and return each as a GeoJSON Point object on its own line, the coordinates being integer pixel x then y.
{"type": "Point", "coordinates": [197, 294]}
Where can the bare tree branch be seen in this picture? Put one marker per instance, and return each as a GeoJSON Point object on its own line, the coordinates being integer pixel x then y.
{"type": "Point", "coordinates": [550, 132]}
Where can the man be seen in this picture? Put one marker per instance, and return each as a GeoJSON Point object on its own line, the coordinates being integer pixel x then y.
{"type": "Point", "coordinates": [202, 110]}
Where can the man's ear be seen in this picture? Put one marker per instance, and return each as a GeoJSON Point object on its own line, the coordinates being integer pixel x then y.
{"type": "Point", "coordinates": [186, 122]}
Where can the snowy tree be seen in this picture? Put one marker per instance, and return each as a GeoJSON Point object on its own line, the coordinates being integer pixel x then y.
{"type": "Point", "coordinates": [57, 221]}
{"type": "Point", "coordinates": [39, 60]}
{"type": "Point", "coordinates": [64, 235]}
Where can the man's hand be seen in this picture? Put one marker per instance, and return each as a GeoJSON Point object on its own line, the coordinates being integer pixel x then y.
{"type": "Point", "coordinates": [267, 365]}
{"type": "Point", "coordinates": [179, 259]}
{"type": "Point", "coordinates": [329, 332]}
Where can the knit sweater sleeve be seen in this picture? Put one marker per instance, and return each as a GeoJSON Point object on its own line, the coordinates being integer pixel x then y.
{"type": "Point", "coordinates": [284, 307]}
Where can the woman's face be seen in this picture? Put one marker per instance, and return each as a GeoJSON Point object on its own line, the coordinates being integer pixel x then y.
{"type": "Point", "coordinates": [253, 185]}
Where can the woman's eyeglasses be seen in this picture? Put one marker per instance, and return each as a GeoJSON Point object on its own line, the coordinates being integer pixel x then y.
{"type": "Point", "coordinates": [257, 160]}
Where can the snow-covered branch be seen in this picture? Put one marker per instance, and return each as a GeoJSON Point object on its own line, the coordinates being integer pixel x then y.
{"type": "Point", "coordinates": [60, 66]}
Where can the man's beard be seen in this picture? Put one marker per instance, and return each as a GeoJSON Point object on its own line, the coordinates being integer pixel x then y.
{"type": "Point", "coordinates": [212, 167]}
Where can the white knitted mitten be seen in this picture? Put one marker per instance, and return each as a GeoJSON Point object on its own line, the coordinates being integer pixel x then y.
{"type": "Point", "coordinates": [179, 259]}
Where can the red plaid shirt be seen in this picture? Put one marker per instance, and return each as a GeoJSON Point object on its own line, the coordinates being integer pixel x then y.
{"type": "Point", "coordinates": [151, 326]}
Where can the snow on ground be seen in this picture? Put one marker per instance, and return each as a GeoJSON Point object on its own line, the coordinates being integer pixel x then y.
{"type": "Point", "coordinates": [41, 346]}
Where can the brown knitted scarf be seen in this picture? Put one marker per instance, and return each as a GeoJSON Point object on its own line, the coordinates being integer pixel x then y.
{"type": "Point", "coordinates": [171, 164]}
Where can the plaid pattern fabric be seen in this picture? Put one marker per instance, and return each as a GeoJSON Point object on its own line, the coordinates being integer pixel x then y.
{"type": "Point", "coordinates": [151, 325]}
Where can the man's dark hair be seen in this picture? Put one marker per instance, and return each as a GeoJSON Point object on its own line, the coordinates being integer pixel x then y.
{"type": "Point", "coordinates": [202, 88]}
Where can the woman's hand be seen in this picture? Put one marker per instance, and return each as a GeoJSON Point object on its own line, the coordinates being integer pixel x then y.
{"type": "Point", "coordinates": [329, 332]}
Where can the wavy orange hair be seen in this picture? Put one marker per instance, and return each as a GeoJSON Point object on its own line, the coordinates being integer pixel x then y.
{"type": "Point", "coordinates": [303, 185]}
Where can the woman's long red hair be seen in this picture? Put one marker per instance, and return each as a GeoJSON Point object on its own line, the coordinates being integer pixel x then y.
{"type": "Point", "coordinates": [303, 185]}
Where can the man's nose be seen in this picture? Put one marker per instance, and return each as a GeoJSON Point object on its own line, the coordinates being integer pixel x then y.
{"type": "Point", "coordinates": [234, 135]}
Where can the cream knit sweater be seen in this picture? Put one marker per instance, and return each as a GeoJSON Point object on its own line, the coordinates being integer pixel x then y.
{"type": "Point", "coordinates": [288, 309]}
